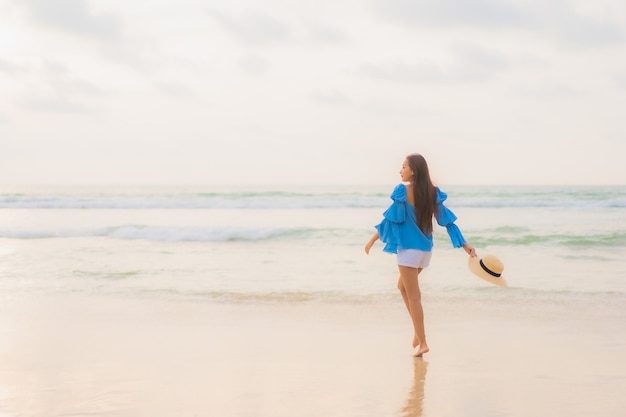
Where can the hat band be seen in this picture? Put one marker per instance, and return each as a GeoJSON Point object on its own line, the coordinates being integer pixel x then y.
{"type": "Point", "coordinates": [489, 271]}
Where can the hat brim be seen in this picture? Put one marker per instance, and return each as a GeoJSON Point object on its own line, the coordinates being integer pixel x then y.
{"type": "Point", "coordinates": [474, 266]}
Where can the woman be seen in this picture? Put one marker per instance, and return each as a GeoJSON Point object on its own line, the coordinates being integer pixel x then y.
{"type": "Point", "coordinates": [407, 229]}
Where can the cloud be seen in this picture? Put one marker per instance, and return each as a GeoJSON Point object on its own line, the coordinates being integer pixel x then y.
{"type": "Point", "coordinates": [557, 20]}
{"type": "Point", "coordinates": [75, 16]}
{"type": "Point", "coordinates": [574, 29]}
{"type": "Point", "coordinates": [400, 71]}
{"type": "Point", "coordinates": [175, 89]}
{"type": "Point", "coordinates": [50, 86]}
{"type": "Point", "coordinates": [54, 104]}
{"type": "Point", "coordinates": [542, 91]}
{"type": "Point", "coordinates": [256, 28]}
{"type": "Point", "coordinates": [253, 64]}
{"type": "Point", "coordinates": [62, 80]}
{"type": "Point", "coordinates": [620, 79]}
{"type": "Point", "coordinates": [253, 27]}
{"type": "Point", "coordinates": [486, 59]}
{"type": "Point", "coordinates": [491, 13]}
{"type": "Point", "coordinates": [469, 64]}
{"type": "Point", "coordinates": [327, 34]}
{"type": "Point", "coordinates": [8, 67]}
{"type": "Point", "coordinates": [330, 97]}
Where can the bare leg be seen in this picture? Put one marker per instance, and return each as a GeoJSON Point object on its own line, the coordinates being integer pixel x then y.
{"type": "Point", "coordinates": [416, 340]}
{"type": "Point", "coordinates": [413, 300]}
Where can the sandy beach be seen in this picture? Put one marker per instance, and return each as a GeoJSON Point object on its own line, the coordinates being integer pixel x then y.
{"type": "Point", "coordinates": [79, 355]}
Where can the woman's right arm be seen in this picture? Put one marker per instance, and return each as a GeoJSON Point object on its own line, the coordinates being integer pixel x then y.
{"type": "Point", "coordinates": [371, 242]}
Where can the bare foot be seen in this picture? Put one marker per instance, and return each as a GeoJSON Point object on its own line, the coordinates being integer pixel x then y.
{"type": "Point", "coordinates": [422, 349]}
{"type": "Point", "coordinates": [416, 342]}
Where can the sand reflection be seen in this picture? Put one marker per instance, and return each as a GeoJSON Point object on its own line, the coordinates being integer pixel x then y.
{"type": "Point", "coordinates": [415, 401]}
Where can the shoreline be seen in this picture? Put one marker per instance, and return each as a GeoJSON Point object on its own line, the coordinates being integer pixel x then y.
{"type": "Point", "coordinates": [122, 357]}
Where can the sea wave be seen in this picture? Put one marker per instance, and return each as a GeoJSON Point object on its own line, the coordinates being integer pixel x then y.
{"type": "Point", "coordinates": [174, 233]}
{"type": "Point", "coordinates": [329, 197]}
{"type": "Point", "coordinates": [504, 236]}
{"type": "Point", "coordinates": [227, 201]}
{"type": "Point", "coordinates": [616, 239]}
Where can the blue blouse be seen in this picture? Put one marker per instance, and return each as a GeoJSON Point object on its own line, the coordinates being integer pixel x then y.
{"type": "Point", "coordinates": [399, 230]}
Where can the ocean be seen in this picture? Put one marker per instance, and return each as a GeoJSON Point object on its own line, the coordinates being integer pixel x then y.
{"type": "Point", "coordinates": [562, 246]}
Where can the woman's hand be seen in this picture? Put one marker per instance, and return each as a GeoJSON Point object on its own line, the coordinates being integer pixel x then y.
{"type": "Point", "coordinates": [469, 249]}
{"type": "Point", "coordinates": [371, 242]}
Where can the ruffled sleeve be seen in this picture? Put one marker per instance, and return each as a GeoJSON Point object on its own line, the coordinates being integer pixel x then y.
{"type": "Point", "coordinates": [446, 218]}
{"type": "Point", "coordinates": [389, 228]}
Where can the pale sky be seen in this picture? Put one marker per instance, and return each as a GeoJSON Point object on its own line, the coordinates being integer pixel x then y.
{"type": "Point", "coordinates": [312, 91]}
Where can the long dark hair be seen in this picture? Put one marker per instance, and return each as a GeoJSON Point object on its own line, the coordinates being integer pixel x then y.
{"type": "Point", "coordinates": [424, 193]}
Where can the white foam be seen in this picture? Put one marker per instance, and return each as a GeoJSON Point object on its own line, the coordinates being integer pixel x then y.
{"type": "Point", "coordinates": [157, 233]}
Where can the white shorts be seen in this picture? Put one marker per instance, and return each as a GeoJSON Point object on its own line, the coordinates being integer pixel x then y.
{"type": "Point", "coordinates": [414, 258]}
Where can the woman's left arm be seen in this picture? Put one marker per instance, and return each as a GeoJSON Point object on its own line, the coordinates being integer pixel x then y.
{"type": "Point", "coordinates": [371, 242]}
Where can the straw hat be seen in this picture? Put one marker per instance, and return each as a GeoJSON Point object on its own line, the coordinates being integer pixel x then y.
{"type": "Point", "coordinates": [488, 268]}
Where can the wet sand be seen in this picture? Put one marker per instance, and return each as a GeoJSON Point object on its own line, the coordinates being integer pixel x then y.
{"type": "Point", "coordinates": [89, 355]}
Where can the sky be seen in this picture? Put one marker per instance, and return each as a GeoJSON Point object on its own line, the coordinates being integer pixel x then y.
{"type": "Point", "coordinates": [312, 91]}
